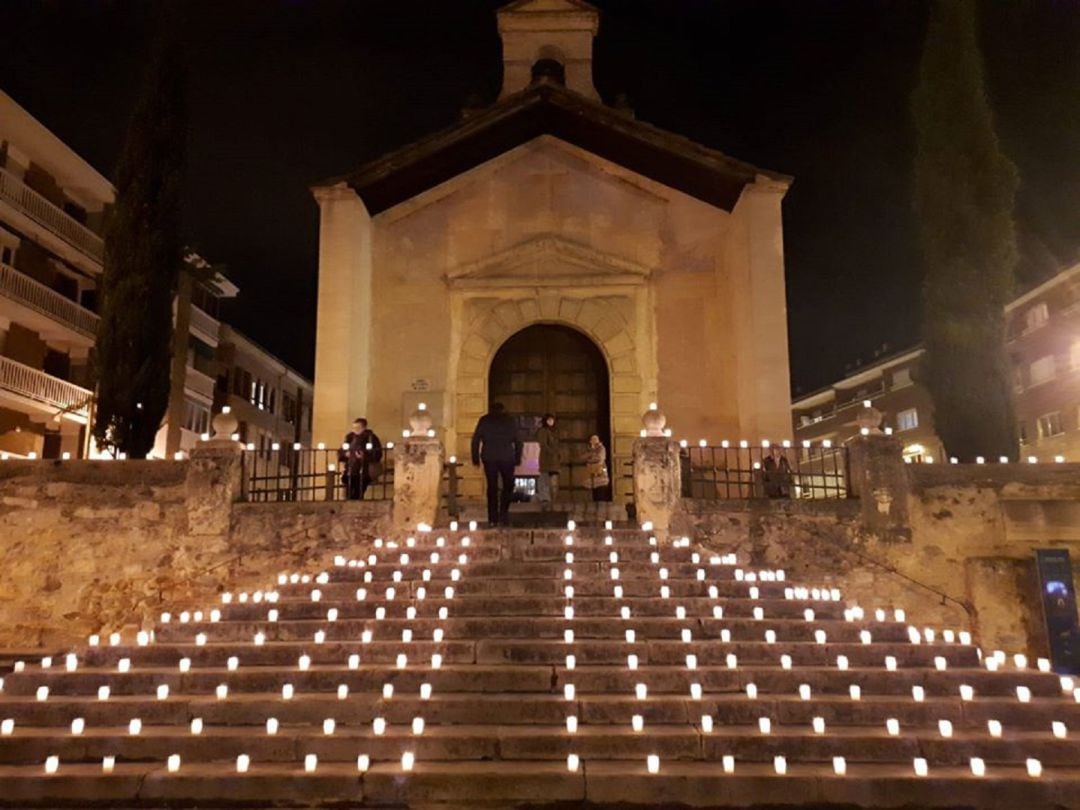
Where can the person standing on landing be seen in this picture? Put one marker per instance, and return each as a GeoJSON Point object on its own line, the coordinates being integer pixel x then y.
{"type": "Point", "coordinates": [596, 469]}
{"type": "Point", "coordinates": [547, 483]}
{"type": "Point", "coordinates": [496, 444]}
{"type": "Point", "coordinates": [360, 456]}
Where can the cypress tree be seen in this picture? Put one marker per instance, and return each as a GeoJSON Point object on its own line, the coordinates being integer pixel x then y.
{"type": "Point", "coordinates": [965, 189]}
{"type": "Point", "coordinates": [142, 257]}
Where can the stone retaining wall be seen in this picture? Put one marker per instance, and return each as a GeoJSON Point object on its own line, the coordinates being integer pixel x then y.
{"type": "Point", "coordinates": [962, 556]}
{"type": "Point", "coordinates": [89, 546]}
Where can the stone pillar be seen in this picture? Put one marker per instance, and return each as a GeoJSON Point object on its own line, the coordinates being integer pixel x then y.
{"type": "Point", "coordinates": [214, 480]}
{"type": "Point", "coordinates": [418, 466]}
{"type": "Point", "coordinates": [878, 476]}
{"type": "Point", "coordinates": [657, 476]}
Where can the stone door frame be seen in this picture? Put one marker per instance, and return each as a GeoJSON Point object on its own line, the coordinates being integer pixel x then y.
{"type": "Point", "coordinates": [485, 322]}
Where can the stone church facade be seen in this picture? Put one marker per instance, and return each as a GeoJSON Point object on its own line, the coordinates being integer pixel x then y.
{"type": "Point", "coordinates": [544, 213]}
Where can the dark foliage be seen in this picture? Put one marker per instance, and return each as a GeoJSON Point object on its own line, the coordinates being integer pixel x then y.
{"type": "Point", "coordinates": [965, 189]}
{"type": "Point", "coordinates": [142, 257]}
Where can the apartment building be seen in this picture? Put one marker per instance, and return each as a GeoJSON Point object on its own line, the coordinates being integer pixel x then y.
{"type": "Point", "coordinates": [271, 401]}
{"type": "Point", "coordinates": [1043, 341]}
{"type": "Point", "coordinates": [1042, 329]}
{"type": "Point", "coordinates": [888, 383]}
{"type": "Point", "coordinates": [52, 210]}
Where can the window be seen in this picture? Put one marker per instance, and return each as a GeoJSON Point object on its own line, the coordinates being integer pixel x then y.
{"type": "Point", "coordinates": [288, 408]}
{"type": "Point", "coordinates": [1036, 317]}
{"type": "Point", "coordinates": [1042, 370]}
{"type": "Point", "coordinates": [7, 255]}
{"type": "Point", "coordinates": [901, 377]}
{"type": "Point", "coordinates": [1050, 425]}
{"type": "Point", "coordinates": [196, 417]}
{"type": "Point", "coordinates": [907, 419]}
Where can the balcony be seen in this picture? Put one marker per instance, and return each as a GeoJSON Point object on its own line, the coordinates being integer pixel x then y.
{"type": "Point", "coordinates": [31, 204]}
{"type": "Point", "coordinates": [46, 392]}
{"type": "Point", "coordinates": [206, 327]}
{"type": "Point", "coordinates": [36, 296]}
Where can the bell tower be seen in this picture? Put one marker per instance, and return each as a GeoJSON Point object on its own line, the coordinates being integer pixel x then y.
{"type": "Point", "coordinates": [548, 40]}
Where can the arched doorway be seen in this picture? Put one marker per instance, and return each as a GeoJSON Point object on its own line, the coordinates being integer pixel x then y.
{"type": "Point", "coordinates": [549, 368]}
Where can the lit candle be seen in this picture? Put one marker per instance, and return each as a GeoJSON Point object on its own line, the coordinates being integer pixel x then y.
{"type": "Point", "coordinates": [780, 765]}
{"type": "Point", "coordinates": [1034, 768]}
{"type": "Point", "coordinates": [572, 763]}
{"type": "Point", "coordinates": [174, 763]}
{"type": "Point", "coordinates": [945, 728]}
{"type": "Point", "coordinates": [892, 726]}
{"type": "Point", "coordinates": [78, 726]}
{"type": "Point", "coordinates": [52, 764]}
{"type": "Point", "coordinates": [342, 691]}
{"type": "Point", "coordinates": [728, 763]}
{"type": "Point", "coordinates": [108, 764]}
{"type": "Point", "coordinates": [387, 691]}
{"type": "Point", "coordinates": [287, 692]}
{"type": "Point", "coordinates": [363, 762]}
{"type": "Point", "coordinates": [764, 725]}
{"type": "Point", "coordinates": [311, 762]}
{"type": "Point", "coordinates": [408, 760]}
{"type": "Point", "coordinates": [706, 723]}
{"type": "Point", "coordinates": [243, 762]}
{"type": "Point", "coordinates": [637, 722]}
{"type": "Point", "coordinates": [839, 766]}
{"type": "Point", "coordinates": [994, 727]}
{"type": "Point", "coordinates": [571, 724]}
{"type": "Point", "coordinates": [818, 724]}
{"type": "Point", "coordinates": [134, 726]}
{"type": "Point", "coordinates": [919, 764]}
{"type": "Point", "coordinates": [271, 726]}
{"type": "Point", "coordinates": [378, 726]}
{"type": "Point", "coordinates": [641, 691]}
{"type": "Point", "coordinates": [328, 726]}
{"type": "Point", "coordinates": [653, 763]}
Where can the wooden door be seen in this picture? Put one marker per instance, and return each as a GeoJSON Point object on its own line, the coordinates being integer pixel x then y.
{"type": "Point", "coordinates": [555, 369]}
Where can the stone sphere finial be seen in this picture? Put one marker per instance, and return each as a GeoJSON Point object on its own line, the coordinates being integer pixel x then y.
{"type": "Point", "coordinates": [654, 421]}
{"type": "Point", "coordinates": [869, 418]}
{"type": "Point", "coordinates": [420, 420]}
{"type": "Point", "coordinates": [225, 424]}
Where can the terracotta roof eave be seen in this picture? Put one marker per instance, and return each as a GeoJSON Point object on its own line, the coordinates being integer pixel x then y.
{"type": "Point", "coordinates": [551, 101]}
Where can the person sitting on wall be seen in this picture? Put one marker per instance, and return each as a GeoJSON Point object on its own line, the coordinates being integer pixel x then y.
{"type": "Point", "coordinates": [361, 459]}
{"type": "Point", "coordinates": [496, 444]}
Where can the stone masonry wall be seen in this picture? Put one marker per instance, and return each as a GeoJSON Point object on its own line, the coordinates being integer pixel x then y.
{"type": "Point", "coordinates": [965, 559]}
{"type": "Point", "coordinates": [95, 546]}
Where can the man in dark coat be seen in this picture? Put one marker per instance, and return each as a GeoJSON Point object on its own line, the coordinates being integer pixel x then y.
{"type": "Point", "coordinates": [360, 455]}
{"type": "Point", "coordinates": [496, 444]}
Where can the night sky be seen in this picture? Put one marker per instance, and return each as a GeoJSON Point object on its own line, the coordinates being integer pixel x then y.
{"type": "Point", "coordinates": [287, 92]}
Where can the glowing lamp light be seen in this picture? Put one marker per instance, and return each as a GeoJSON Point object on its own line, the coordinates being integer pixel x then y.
{"type": "Point", "coordinates": [173, 764]}
{"type": "Point", "coordinates": [691, 661]}
{"type": "Point", "coordinates": [855, 691]}
{"type": "Point", "coordinates": [1023, 694]}
{"type": "Point", "coordinates": [637, 722]}
{"type": "Point", "coordinates": [732, 661]}
{"type": "Point", "coordinates": [7, 727]}
{"type": "Point", "coordinates": [652, 762]}
{"type": "Point", "coordinates": [135, 727]}
{"type": "Point", "coordinates": [918, 694]}
{"type": "Point", "coordinates": [233, 663]}
{"type": "Point", "coordinates": [311, 762]}
{"type": "Point", "coordinates": [571, 724]}
{"type": "Point", "coordinates": [572, 763]}
{"type": "Point", "coordinates": [328, 726]}
{"type": "Point", "coordinates": [920, 766]}
{"type": "Point", "coordinates": [804, 691]}
{"type": "Point", "coordinates": [363, 763]}
{"type": "Point", "coordinates": [839, 765]}
{"type": "Point", "coordinates": [243, 763]}
{"type": "Point", "coordinates": [571, 661]}
{"type": "Point", "coordinates": [841, 662]}
{"type": "Point", "coordinates": [751, 691]}
{"type": "Point", "coordinates": [631, 661]}
{"type": "Point", "coordinates": [967, 692]}
{"type": "Point", "coordinates": [387, 691]}
{"type": "Point", "coordinates": [780, 765]}
{"type": "Point", "coordinates": [108, 764]}
{"type": "Point", "coordinates": [401, 661]}
{"type": "Point", "coordinates": [890, 663]}
{"type": "Point", "coordinates": [630, 636]}
{"type": "Point", "coordinates": [271, 726]}
{"type": "Point", "coordinates": [764, 725]}
{"type": "Point", "coordinates": [892, 726]}
{"type": "Point", "coordinates": [707, 723]}
{"type": "Point", "coordinates": [728, 763]}
{"type": "Point", "coordinates": [163, 691]}
{"type": "Point", "coordinates": [124, 665]}
{"type": "Point", "coordinates": [994, 727]}
{"type": "Point", "coordinates": [1059, 730]}
{"type": "Point", "coordinates": [641, 691]}
{"type": "Point", "coordinates": [78, 726]}
{"type": "Point", "coordinates": [568, 636]}
{"type": "Point", "coordinates": [436, 661]}
{"type": "Point", "coordinates": [568, 691]}
{"type": "Point", "coordinates": [42, 693]}
{"type": "Point", "coordinates": [1034, 766]}
{"type": "Point", "coordinates": [222, 691]}
{"type": "Point", "coordinates": [818, 724]}
{"type": "Point", "coordinates": [52, 764]}
{"type": "Point", "coordinates": [695, 691]}
{"type": "Point", "coordinates": [287, 691]}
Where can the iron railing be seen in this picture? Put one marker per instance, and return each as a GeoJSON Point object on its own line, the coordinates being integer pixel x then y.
{"type": "Point", "coordinates": [762, 471]}
{"type": "Point", "coordinates": [306, 474]}
{"type": "Point", "coordinates": [35, 295]}
{"type": "Point", "coordinates": [29, 202]}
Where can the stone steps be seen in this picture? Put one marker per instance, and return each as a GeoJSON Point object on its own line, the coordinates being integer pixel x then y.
{"type": "Point", "coordinates": [495, 723]}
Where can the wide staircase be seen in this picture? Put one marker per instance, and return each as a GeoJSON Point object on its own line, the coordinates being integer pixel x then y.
{"type": "Point", "coordinates": [534, 667]}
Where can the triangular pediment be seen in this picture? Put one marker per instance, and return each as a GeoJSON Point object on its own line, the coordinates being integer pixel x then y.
{"type": "Point", "coordinates": [548, 260]}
